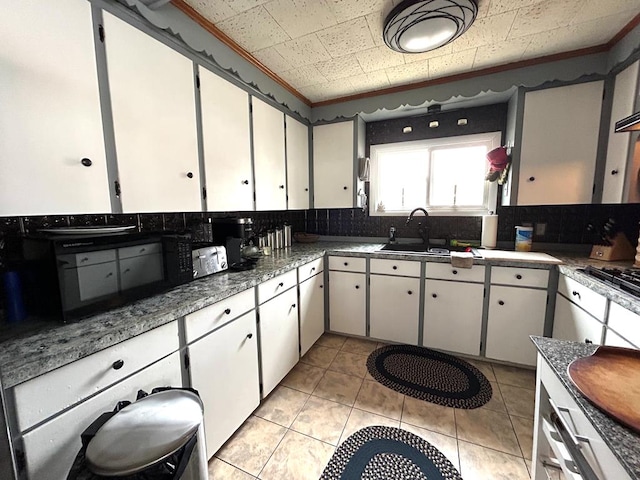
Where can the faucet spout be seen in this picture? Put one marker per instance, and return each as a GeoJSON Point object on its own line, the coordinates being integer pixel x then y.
{"type": "Point", "coordinates": [419, 209]}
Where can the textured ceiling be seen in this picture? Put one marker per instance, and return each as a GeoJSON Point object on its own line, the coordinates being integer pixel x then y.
{"type": "Point", "coordinates": [328, 49]}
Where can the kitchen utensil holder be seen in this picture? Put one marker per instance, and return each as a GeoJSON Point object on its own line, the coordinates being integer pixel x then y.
{"type": "Point", "coordinates": [620, 249]}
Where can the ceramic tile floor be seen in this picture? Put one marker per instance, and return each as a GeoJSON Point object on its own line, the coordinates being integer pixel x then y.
{"type": "Point", "coordinates": [329, 395]}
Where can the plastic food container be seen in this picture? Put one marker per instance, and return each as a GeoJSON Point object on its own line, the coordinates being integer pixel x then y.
{"type": "Point", "coordinates": [524, 236]}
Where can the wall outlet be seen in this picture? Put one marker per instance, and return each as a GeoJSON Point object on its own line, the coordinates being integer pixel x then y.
{"type": "Point", "coordinates": [541, 228]}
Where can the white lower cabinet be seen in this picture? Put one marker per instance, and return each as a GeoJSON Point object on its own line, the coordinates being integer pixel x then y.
{"type": "Point", "coordinates": [449, 323]}
{"type": "Point", "coordinates": [623, 327]}
{"type": "Point", "coordinates": [224, 370]}
{"type": "Point", "coordinates": [347, 303]}
{"type": "Point", "coordinates": [311, 311]}
{"type": "Point", "coordinates": [514, 314]}
{"type": "Point", "coordinates": [570, 322]}
{"type": "Point", "coordinates": [51, 448]}
{"type": "Point", "coordinates": [394, 308]}
{"type": "Point", "coordinates": [278, 338]}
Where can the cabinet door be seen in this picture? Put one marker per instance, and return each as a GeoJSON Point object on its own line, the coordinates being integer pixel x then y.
{"type": "Point", "coordinates": [224, 370]}
{"type": "Point", "coordinates": [450, 324]}
{"type": "Point", "coordinates": [570, 322]}
{"type": "Point", "coordinates": [268, 157]}
{"type": "Point", "coordinates": [347, 303]}
{"type": "Point", "coordinates": [153, 103]}
{"type": "Point", "coordinates": [297, 164]}
{"type": "Point", "coordinates": [311, 311]}
{"type": "Point", "coordinates": [559, 144]}
{"type": "Point", "coordinates": [278, 338]}
{"type": "Point", "coordinates": [395, 308]}
{"type": "Point", "coordinates": [333, 164]}
{"type": "Point", "coordinates": [50, 115]}
{"type": "Point", "coordinates": [514, 314]}
{"type": "Point", "coordinates": [51, 448]}
{"type": "Point", "coordinates": [226, 144]}
{"type": "Point", "coordinates": [624, 96]}
{"type": "Point", "coordinates": [625, 322]}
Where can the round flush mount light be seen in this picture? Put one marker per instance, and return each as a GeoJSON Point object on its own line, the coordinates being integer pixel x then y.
{"type": "Point", "coordinates": [416, 26]}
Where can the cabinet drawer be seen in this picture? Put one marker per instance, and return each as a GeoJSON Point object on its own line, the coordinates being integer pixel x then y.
{"type": "Point", "coordinates": [520, 277]}
{"type": "Point", "coordinates": [444, 271]}
{"type": "Point", "coordinates": [86, 258]}
{"type": "Point", "coordinates": [275, 286]}
{"type": "Point", "coordinates": [587, 299]}
{"type": "Point", "coordinates": [405, 268]}
{"type": "Point", "coordinates": [310, 269]}
{"type": "Point", "coordinates": [625, 323]}
{"type": "Point", "coordinates": [214, 316]}
{"type": "Point", "coordinates": [348, 264]}
{"type": "Point", "coordinates": [43, 396]}
{"type": "Point", "coordinates": [136, 250]}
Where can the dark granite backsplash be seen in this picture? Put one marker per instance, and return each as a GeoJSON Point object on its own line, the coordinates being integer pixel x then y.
{"type": "Point", "coordinates": [562, 223]}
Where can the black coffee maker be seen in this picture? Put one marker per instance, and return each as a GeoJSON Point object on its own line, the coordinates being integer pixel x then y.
{"type": "Point", "coordinates": [234, 233]}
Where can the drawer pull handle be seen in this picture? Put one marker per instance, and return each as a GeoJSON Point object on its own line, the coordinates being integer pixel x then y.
{"type": "Point", "coordinates": [281, 284]}
{"type": "Point", "coordinates": [500, 302]}
{"type": "Point", "coordinates": [127, 270]}
{"type": "Point", "coordinates": [346, 263]}
{"type": "Point", "coordinates": [434, 295]}
{"type": "Point", "coordinates": [587, 341]}
{"type": "Point", "coordinates": [313, 269]}
{"type": "Point", "coordinates": [110, 274]}
{"type": "Point", "coordinates": [576, 439]}
{"type": "Point", "coordinates": [576, 294]}
{"type": "Point", "coordinates": [293, 305]}
{"type": "Point", "coordinates": [143, 250]}
{"type": "Point", "coordinates": [455, 272]}
{"type": "Point", "coordinates": [85, 259]}
{"type": "Point", "coordinates": [118, 364]}
{"type": "Point", "coordinates": [281, 187]}
{"type": "Point", "coordinates": [245, 182]}
{"type": "Point", "coordinates": [344, 188]}
{"type": "Point", "coordinates": [321, 286]}
{"type": "Point", "coordinates": [519, 277]}
{"type": "Point", "coordinates": [227, 311]}
{"type": "Point", "coordinates": [410, 292]}
{"type": "Point", "coordinates": [249, 336]}
{"type": "Point", "coordinates": [357, 286]}
{"type": "Point", "coordinates": [395, 268]}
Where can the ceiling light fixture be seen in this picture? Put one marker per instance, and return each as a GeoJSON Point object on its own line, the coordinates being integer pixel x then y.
{"type": "Point", "coordinates": [416, 26]}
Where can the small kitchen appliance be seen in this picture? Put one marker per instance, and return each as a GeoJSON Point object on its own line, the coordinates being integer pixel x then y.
{"type": "Point", "coordinates": [234, 233]}
{"type": "Point", "coordinates": [626, 280]}
{"type": "Point", "coordinates": [209, 260]}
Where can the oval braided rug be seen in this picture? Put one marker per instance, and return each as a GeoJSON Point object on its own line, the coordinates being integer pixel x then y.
{"type": "Point", "coordinates": [388, 453]}
{"type": "Point", "coordinates": [430, 375]}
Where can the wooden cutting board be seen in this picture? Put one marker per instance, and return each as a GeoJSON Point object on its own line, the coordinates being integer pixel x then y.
{"type": "Point", "coordinates": [610, 379]}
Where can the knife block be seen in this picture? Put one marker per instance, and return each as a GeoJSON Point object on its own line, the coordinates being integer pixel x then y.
{"type": "Point", "coordinates": [620, 249]}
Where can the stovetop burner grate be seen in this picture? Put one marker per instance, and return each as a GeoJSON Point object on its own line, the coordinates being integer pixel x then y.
{"type": "Point", "coordinates": [627, 280]}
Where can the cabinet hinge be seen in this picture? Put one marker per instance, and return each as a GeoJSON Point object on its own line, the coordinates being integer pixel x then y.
{"type": "Point", "coordinates": [21, 463]}
{"type": "Point", "coordinates": [116, 185]}
{"type": "Point", "coordinates": [187, 362]}
{"type": "Point", "coordinates": [484, 293]}
{"type": "Point", "coordinates": [250, 107]}
{"type": "Point", "coordinates": [197, 81]}
{"type": "Point", "coordinates": [101, 33]}
{"type": "Point", "coordinates": [254, 196]}
{"type": "Point", "coordinates": [257, 317]}
{"type": "Point", "coordinates": [261, 389]}
{"type": "Point", "coordinates": [204, 193]}
{"type": "Point", "coordinates": [593, 190]}
{"type": "Point", "coordinates": [481, 346]}
{"type": "Point", "coordinates": [547, 299]}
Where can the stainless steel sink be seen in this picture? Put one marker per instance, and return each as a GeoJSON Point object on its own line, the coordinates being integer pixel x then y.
{"type": "Point", "coordinates": [422, 249]}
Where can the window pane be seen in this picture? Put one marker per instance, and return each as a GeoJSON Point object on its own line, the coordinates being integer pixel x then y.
{"type": "Point", "coordinates": [402, 179]}
{"type": "Point", "coordinates": [457, 176]}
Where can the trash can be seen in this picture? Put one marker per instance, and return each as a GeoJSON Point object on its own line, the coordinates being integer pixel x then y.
{"type": "Point", "coordinates": [159, 436]}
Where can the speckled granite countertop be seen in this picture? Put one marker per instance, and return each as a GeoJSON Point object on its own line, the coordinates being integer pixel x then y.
{"type": "Point", "coordinates": [624, 443]}
{"type": "Point", "coordinates": [30, 350]}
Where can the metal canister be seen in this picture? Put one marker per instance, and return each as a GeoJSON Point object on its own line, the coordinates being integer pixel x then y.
{"type": "Point", "coordinates": [287, 235]}
{"type": "Point", "coordinates": [271, 239]}
{"type": "Point", "coordinates": [279, 238]}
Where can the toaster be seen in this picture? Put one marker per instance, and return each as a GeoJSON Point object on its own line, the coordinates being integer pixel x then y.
{"type": "Point", "coordinates": [208, 260]}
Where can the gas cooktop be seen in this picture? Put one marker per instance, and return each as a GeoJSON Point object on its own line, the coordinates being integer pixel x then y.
{"type": "Point", "coordinates": [627, 280]}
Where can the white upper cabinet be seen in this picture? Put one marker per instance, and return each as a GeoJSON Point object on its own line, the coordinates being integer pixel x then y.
{"type": "Point", "coordinates": [226, 144]}
{"type": "Point", "coordinates": [624, 96]}
{"type": "Point", "coordinates": [153, 102]}
{"type": "Point", "coordinates": [297, 135]}
{"type": "Point", "coordinates": [559, 144]}
{"type": "Point", "coordinates": [268, 157]}
{"type": "Point", "coordinates": [50, 111]}
{"type": "Point", "coordinates": [333, 164]}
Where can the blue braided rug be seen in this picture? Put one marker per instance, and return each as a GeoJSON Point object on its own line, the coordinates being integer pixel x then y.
{"type": "Point", "coordinates": [387, 453]}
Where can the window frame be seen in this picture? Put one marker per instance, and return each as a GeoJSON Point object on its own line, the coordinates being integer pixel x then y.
{"type": "Point", "coordinates": [492, 139]}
